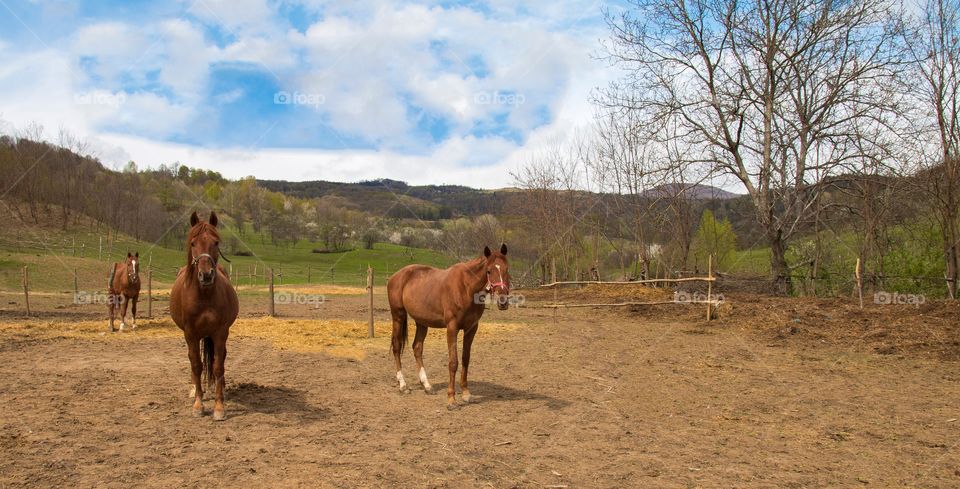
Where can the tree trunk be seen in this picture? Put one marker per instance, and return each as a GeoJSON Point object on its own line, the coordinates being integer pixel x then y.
{"type": "Point", "coordinates": [780, 272]}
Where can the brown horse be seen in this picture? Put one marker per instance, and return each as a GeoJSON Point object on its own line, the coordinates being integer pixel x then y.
{"type": "Point", "coordinates": [204, 305]}
{"type": "Point", "coordinates": [124, 286]}
{"type": "Point", "coordinates": [451, 299]}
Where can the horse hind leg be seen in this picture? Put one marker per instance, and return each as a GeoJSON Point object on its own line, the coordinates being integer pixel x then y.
{"type": "Point", "coordinates": [418, 354]}
{"type": "Point", "coordinates": [399, 340]}
{"type": "Point", "coordinates": [112, 305]}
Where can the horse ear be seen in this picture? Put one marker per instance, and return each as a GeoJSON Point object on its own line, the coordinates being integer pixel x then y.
{"type": "Point", "coordinates": [213, 219]}
{"type": "Point", "coordinates": [486, 251]}
{"type": "Point", "coordinates": [503, 248]}
{"type": "Point", "coordinates": [128, 254]}
{"type": "Point", "coordinates": [194, 219]}
{"type": "Point", "coordinates": [137, 254]}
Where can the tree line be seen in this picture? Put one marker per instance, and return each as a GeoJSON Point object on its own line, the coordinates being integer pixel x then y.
{"type": "Point", "coordinates": [833, 117]}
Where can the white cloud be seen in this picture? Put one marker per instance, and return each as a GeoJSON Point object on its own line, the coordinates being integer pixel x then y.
{"type": "Point", "coordinates": [234, 15]}
{"type": "Point", "coordinates": [186, 59]}
{"type": "Point", "coordinates": [371, 61]}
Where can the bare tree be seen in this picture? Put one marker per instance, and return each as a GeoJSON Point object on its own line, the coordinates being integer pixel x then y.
{"type": "Point", "coordinates": [763, 91]}
{"type": "Point", "coordinates": [935, 48]}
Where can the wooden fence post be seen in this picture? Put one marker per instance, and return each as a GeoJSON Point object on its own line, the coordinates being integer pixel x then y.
{"type": "Point", "coordinates": [709, 284]}
{"type": "Point", "coordinates": [26, 289]}
{"type": "Point", "coordinates": [100, 253]}
{"type": "Point", "coordinates": [149, 293]}
{"type": "Point", "coordinates": [858, 275]}
{"type": "Point", "coordinates": [370, 294]}
{"type": "Point", "coordinates": [76, 287]}
{"type": "Point", "coordinates": [271, 309]}
{"type": "Point", "coordinates": [308, 274]}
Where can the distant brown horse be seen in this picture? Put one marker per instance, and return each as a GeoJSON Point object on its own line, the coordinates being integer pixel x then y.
{"type": "Point", "coordinates": [124, 286]}
{"type": "Point", "coordinates": [204, 305]}
{"type": "Point", "coordinates": [451, 299]}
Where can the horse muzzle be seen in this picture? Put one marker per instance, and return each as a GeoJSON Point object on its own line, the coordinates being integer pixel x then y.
{"type": "Point", "coordinates": [503, 301]}
{"type": "Point", "coordinates": [207, 279]}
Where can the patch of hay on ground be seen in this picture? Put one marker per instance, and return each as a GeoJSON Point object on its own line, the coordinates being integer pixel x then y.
{"type": "Point", "coordinates": [341, 338]}
{"type": "Point", "coordinates": [318, 289]}
{"type": "Point", "coordinates": [597, 293]}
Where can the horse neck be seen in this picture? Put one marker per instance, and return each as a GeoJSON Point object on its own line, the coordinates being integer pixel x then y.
{"type": "Point", "coordinates": [477, 278]}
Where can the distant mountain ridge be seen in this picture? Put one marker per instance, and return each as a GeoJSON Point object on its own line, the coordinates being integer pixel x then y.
{"type": "Point", "coordinates": [440, 201]}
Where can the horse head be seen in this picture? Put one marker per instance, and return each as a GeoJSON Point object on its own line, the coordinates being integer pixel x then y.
{"type": "Point", "coordinates": [133, 267]}
{"type": "Point", "coordinates": [498, 275]}
{"type": "Point", "coordinates": [203, 248]}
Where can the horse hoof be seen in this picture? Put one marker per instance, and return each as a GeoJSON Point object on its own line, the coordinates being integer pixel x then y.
{"type": "Point", "coordinates": [453, 407]}
{"type": "Point", "coordinates": [197, 412]}
{"type": "Point", "coordinates": [219, 415]}
{"type": "Point", "coordinates": [467, 399]}
{"type": "Point", "coordinates": [429, 390]}
{"type": "Point", "coordinates": [405, 390]}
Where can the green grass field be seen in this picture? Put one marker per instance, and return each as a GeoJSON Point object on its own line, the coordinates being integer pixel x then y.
{"type": "Point", "coordinates": [53, 255]}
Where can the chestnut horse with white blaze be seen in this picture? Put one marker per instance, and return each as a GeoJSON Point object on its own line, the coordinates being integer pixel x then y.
{"type": "Point", "coordinates": [450, 299]}
{"type": "Point", "coordinates": [204, 304]}
{"type": "Point", "coordinates": [124, 286]}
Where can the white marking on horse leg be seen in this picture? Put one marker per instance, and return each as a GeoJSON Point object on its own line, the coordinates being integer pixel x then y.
{"type": "Point", "coordinates": [423, 379]}
{"type": "Point", "coordinates": [123, 325]}
{"type": "Point", "coordinates": [403, 383]}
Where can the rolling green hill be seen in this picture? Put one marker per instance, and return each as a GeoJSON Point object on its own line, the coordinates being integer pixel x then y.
{"type": "Point", "coordinates": [54, 254]}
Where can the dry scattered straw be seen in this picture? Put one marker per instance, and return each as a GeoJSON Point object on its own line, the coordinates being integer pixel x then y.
{"type": "Point", "coordinates": [598, 293]}
{"type": "Point", "coordinates": [318, 289]}
{"type": "Point", "coordinates": [341, 338]}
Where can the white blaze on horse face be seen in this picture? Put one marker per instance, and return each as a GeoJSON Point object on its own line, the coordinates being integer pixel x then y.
{"type": "Point", "coordinates": [423, 379]}
{"type": "Point", "coordinates": [403, 383]}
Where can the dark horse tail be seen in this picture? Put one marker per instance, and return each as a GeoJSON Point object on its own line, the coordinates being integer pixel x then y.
{"type": "Point", "coordinates": [206, 378]}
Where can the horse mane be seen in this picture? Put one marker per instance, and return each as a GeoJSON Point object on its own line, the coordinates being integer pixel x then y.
{"type": "Point", "coordinates": [195, 232]}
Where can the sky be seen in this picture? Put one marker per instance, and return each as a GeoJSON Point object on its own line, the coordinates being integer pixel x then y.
{"type": "Point", "coordinates": [432, 92]}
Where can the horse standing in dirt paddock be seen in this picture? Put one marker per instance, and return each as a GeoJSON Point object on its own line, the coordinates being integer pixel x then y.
{"type": "Point", "coordinates": [124, 286]}
{"type": "Point", "coordinates": [448, 299]}
{"type": "Point", "coordinates": [204, 304]}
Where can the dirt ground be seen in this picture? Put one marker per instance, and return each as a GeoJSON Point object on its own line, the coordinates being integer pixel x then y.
{"type": "Point", "coordinates": [776, 393]}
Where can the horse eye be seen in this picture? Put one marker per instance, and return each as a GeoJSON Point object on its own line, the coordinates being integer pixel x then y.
{"type": "Point", "coordinates": [216, 243]}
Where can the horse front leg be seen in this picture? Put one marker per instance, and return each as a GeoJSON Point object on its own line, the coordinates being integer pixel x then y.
{"type": "Point", "coordinates": [123, 313]}
{"type": "Point", "coordinates": [196, 367]}
{"type": "Point", "coordinates": [452, 365]}
{"type": "Point", "coordinates": [219, 359]}
{"type": "Point", "coordinates": [133, 313]}
{"type": "Point", "coordinates": [467, 343]}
